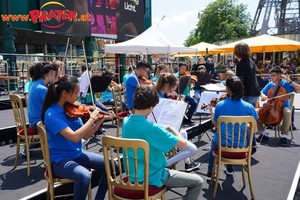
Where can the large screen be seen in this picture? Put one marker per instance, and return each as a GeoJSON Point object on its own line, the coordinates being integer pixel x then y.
{"type": "Point", "coordinates": [113, 19]}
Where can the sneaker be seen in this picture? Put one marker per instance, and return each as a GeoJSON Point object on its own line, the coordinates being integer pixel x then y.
{"type": "Point", "coordinates": [262, 138]}
{"type": "Point", "coordinates": [191, 166]}
{"type": "Point", "coordinates": [208, 176]}
{"type": "Point", "coordinates": [229, 171]}
{"type": "Point", "coordinates": [294, 127]}
{"type": "Point", "coordinates": [23, 153]}
{"type": "Point", "coordinates": [283, 142]}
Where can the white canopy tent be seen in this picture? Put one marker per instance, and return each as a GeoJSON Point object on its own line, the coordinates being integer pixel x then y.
{"type": "Point", "coordinates": [149, 42]}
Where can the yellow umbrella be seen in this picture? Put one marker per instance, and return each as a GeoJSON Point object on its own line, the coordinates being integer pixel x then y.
{"type": "Point", "coordinates": [201, 47]}
{"type": "Point", "coordinates": [264, 43]}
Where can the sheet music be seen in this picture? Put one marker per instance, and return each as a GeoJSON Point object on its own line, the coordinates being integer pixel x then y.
{"type": "Point", "coordinates": [218, 87]}
{"type": "Point", "coordinates": [205, 98]}
{"type": "Point", "coordinates": [169, 112]}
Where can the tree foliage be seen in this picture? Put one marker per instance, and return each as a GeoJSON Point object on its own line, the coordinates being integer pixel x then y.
{"type": "Point", "coordinates": [221, 20]}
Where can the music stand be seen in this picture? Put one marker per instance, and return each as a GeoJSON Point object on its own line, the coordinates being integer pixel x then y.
{"type": "Point", "coordinates": [205, 99]}
{"type": "Point", "coordinates": [183, 82]}
{"type": "Point", "coordinates": [100, 83]}
{"type": "Point", "coordinates": [202, 79]}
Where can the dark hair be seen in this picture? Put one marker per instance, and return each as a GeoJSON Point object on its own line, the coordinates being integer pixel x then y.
{"type": "Point", "coordinates": [236, 87]}
{"type": "Point", "coordinates": [275, 70]}
{"type": "Point", "coordinates": [107, 73]}
{"type": "Point", "coordinates": [164, 79]}
{"type": "Point", "coordinates": [67, 83]}
{"type": "Point", "coordinates": [182, 64]}
{"type": "Point", "coordinates": [143, 64]}
{"type": "Point", "coordinates": [31, 71]}
{"type": "Point", "coordinates": [159, 68]}
{"type": "Point", "coordinates": [83, 67]}
{"type": "Point", "coordinates": [145, 97]}
{"type": "Point", "coordinates": [242, 50]}
{"type": "Point", "coordinates": [42, 68]}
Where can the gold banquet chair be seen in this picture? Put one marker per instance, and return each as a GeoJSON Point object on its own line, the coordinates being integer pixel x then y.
{"type": "Point", "coordinates": [119, 186]}
{"type": "Point", "coordinates": [28, 135]}
{"type": "Point", "coordinates": [228, 154]}
{"type": "Point", "coordinates": [277, 128]}
{"type": "Point", "coordinates": [50, 177]}
{"type": "Point", "coordinates": [117, 93]}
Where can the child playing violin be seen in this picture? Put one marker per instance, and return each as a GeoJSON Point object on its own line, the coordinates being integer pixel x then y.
{"type": "Point", "coordinates": [66, 155]}
{"type": "Point", "coordinates": [166, 84]}
{"type": "Point", "coordinates": [191, 101]}
{"type": "Point", "coordinates": [143, 69]}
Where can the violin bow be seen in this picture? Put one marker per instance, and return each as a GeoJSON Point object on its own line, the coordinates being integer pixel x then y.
{"type": "Point", "coordinates": [63, 70]}
{"type": "Point", "coordinates": [89, 75]}
{"type": "Point", "coordinates": [218, 64]}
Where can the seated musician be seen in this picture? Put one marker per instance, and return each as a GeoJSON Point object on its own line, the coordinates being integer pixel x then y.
{"type": "Point", "coordinates": [191, 101]}
{"type": "Point", "coordinates": [197, 92]}
{"type": "Point", "coordinates": [67, 158]}
{"type": "Point", "coordinates": [235, 90]}
{"type": "Point", "coordinates": [107, 96]}
{"type": "Point", "coordinates": [290, 86]}
{"type": "Point", "coordinates": [143, 69]}
{"type": "Point", "coordinates": [165, 85]}
{"type": "Point", "coordinates": [159, 69]}
{"type": "Point", "coordinates": [161, 140]}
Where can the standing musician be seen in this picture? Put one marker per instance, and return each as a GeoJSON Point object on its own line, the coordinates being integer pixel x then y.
{"type": "Point", "coordinates": [191, 101]}
{"type": "Point", "coordinates": [245, 69]}
{"type": "Point", "coordinates": [165, 85]}
{"type": "Point", "coordinates": [64, 133]}
{"type": "Point", "coordinates": [290, 86]}
{"type": "Point", "coordinates": [161, 140]}
{"type": "Point", "coordinates": [142, 71]}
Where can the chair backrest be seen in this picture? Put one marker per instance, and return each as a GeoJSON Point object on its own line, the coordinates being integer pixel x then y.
{"type": "Point", "coordinates": [19, 114]}
{"type": "Point", "coordinates": [117, 93]}
{"type": "Point", "coordinates": [45, 148]}
{"type": "Point", "coordinates": [132, 154]}
{"type": "Point", "coordinates": [235, 133]}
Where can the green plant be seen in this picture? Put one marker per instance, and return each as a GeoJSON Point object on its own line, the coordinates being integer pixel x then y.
{"type": "Point", "coordinates": [297, 70]}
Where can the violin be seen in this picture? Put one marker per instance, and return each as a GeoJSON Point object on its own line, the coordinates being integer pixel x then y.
{"type": "Point", "coordinates": [193, 78]}
{"type": "Point", "coordinates": [271, 112]}
{"type": "Point", "coordinates": [214, 101]}
{"type": "Point", "coordinates": [81, 110]}
{"type": "Point", "coordinates": [145, 81]}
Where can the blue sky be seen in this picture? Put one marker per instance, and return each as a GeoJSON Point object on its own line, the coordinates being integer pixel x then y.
{"type": "Point", "coordinates": [181, 16]}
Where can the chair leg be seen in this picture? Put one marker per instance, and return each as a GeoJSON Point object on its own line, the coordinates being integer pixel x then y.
{"type": "Point", "coordinates": [48, 191]}
{"type": "Point", "coordinates": [17, 152]}
{"type": "Point", "coordinates": [163, 197]}
{"type": "Point", "coordinates": [217, 180]}
{"type": "Point", "coordinates": [28, 158]}
{"type": "Point", "coordinates": [51, 191]}
{"type": "Point", "coordinates": [118, 128]}
{"type": "Point", "coordinates": [90, 192]}
{"type": "Point", "coordinates": [213, 171]}
{"type": "Point", "coordinates": [250, 181]}
{"type": "Point", "coordinates": [243, 175]}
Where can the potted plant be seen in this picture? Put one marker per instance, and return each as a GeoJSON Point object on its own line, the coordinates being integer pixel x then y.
{"type": "Point", "coordinates": [297, 71]}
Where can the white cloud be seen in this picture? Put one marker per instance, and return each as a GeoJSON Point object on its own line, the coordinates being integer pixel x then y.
{"type": "Point", "coordinates": [176, 19]}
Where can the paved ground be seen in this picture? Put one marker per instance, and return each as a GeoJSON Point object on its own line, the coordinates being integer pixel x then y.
{"type": "Point", "coordinates": [273, 168]}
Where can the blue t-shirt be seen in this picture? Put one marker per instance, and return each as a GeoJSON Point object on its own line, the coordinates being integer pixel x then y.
{"type": "Point", "coordinates": [36, 99]}
{"type": "Point", "coordinates": [131, 84]}
{"type": "Point", "coordinates": [232, 107]}
{"type": "Point", "coordinates": [60, 147]}
{"type": "Point", "coordinates": [289, 88]}
{"type": "Point", "coordinates": [28, 86]}
{"type": "Point", "coordinates": [106, 95]}
{"type": "Point", "coordinates": [160, 142]}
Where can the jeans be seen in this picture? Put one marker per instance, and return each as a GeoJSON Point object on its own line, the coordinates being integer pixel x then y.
{"type": "Point", "coordinates": [193, 106]}
{"type": "Point", "coordinates": [76, 170]}
{"type": "Point", "coordinates": [250, 99]}
{"type": "Point", "coordinates": [185, 153]}
{"type": "Point", "coordinates": [112, 102]}
{"type": "Point", "coordinates": [178, 179]}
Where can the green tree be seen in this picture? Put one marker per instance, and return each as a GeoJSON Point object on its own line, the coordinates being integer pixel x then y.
{"type": "Point", "coordinates": [221, 20]}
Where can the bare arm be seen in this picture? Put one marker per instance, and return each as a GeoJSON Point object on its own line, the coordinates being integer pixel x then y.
{"type": "Point", "coordinates": [182, 143]}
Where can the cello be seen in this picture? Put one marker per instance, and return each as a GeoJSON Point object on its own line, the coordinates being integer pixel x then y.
{"type": "Point", "coordinates": [271, 113]}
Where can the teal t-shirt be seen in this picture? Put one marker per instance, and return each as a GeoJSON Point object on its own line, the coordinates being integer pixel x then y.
{"type": "Point", "coordinates": [160, 142]}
